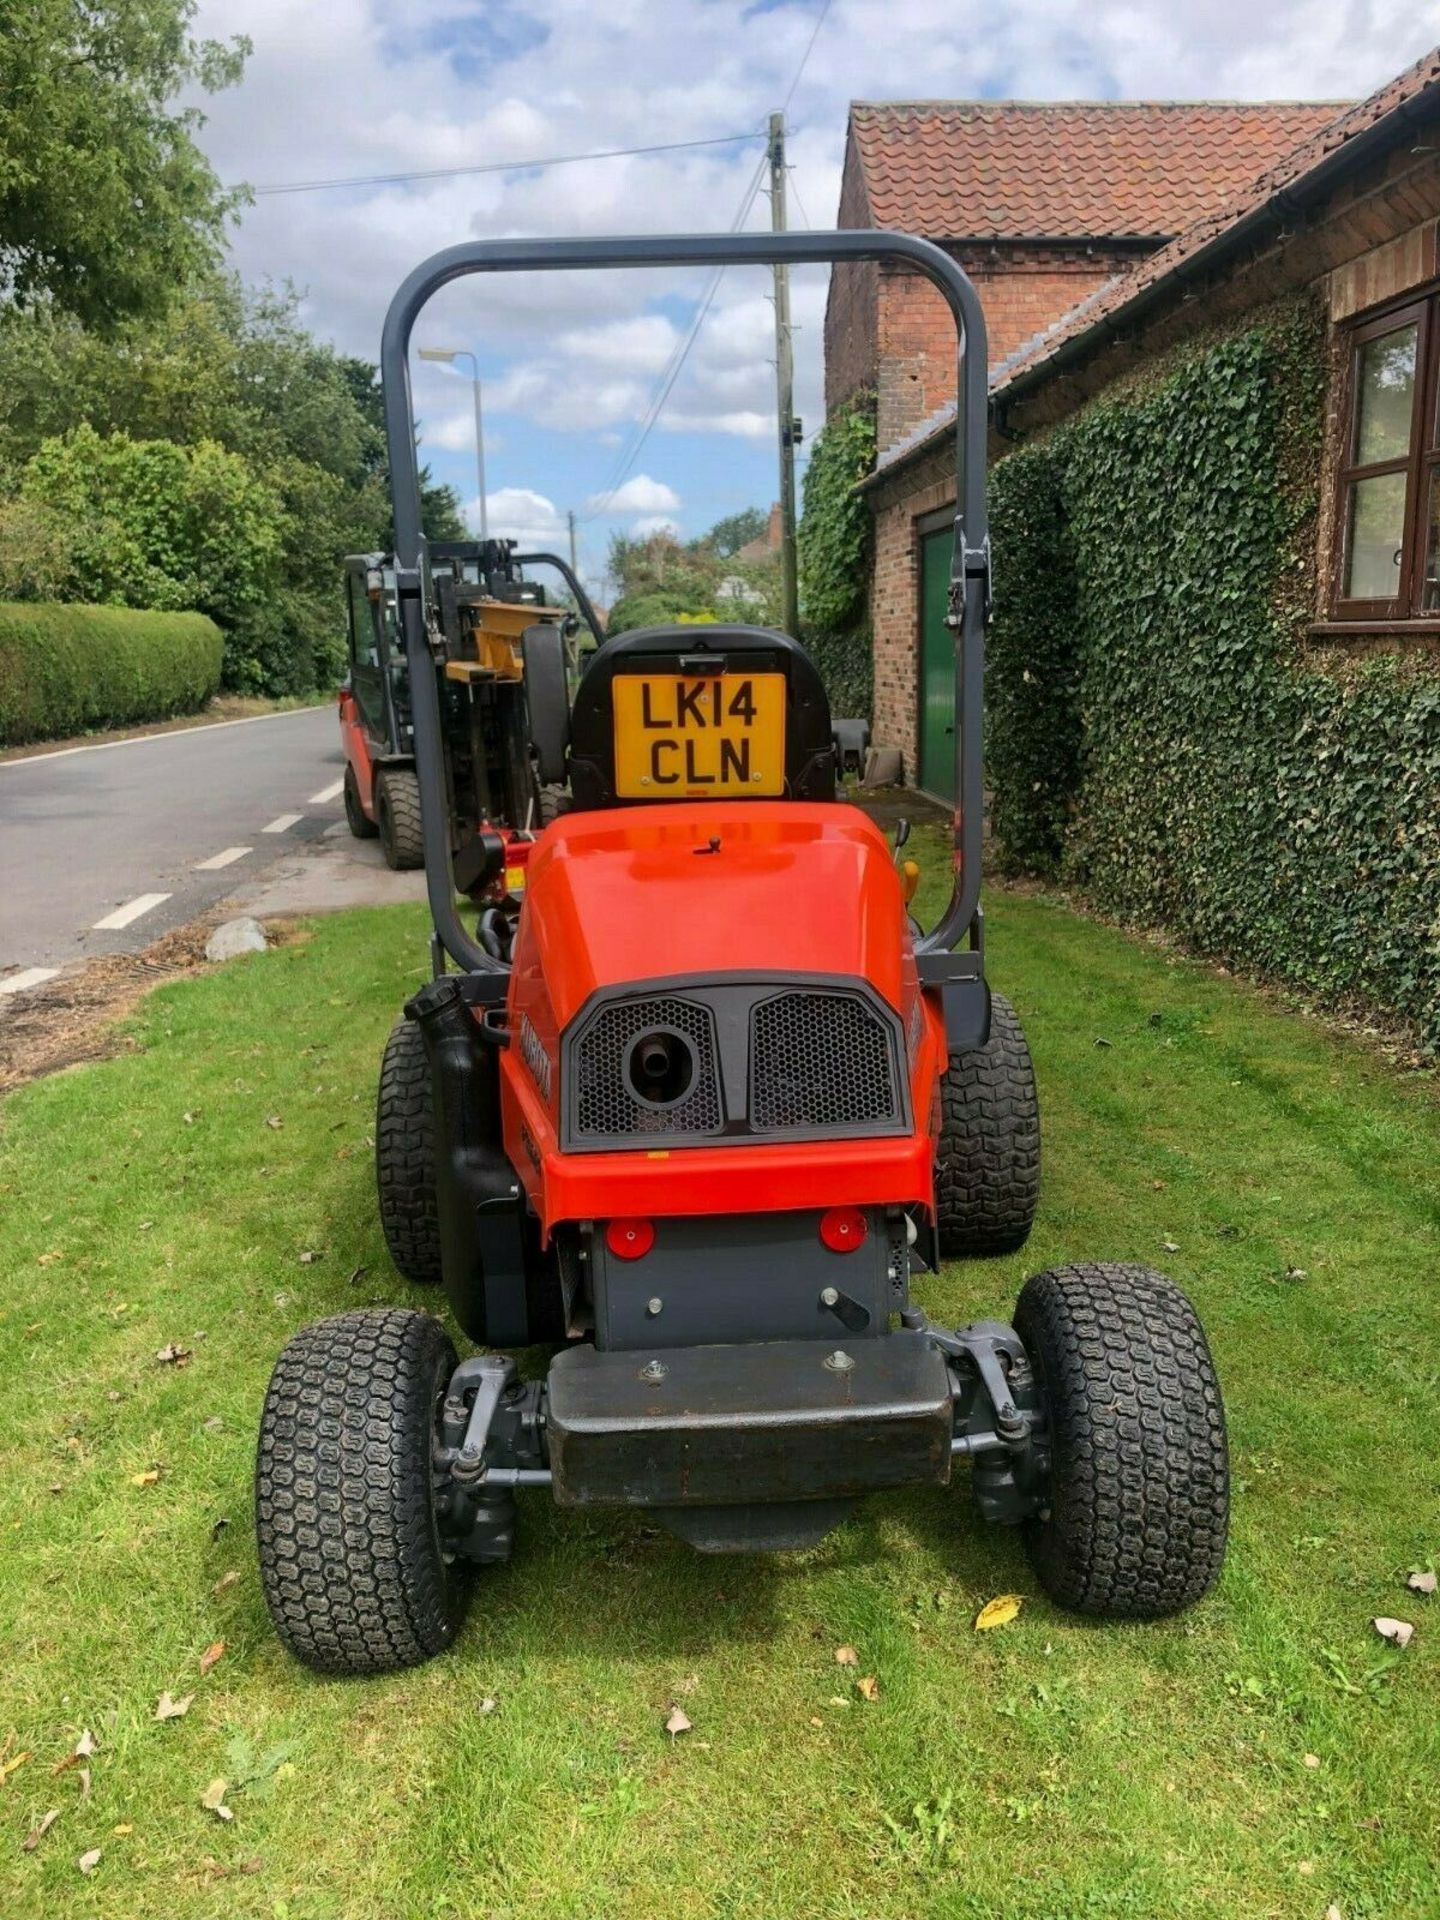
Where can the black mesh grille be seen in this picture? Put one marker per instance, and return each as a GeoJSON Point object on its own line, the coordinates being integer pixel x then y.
{"type": "Point", "coordinates": [605, 1105]}
{"type": "Point", "coordinates": [819, 1060]}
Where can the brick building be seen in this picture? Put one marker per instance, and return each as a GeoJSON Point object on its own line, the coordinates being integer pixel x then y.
{"type": "Point", "coordinates": [1350, 215]}
{"type": "Point", "coordinates": [1042, 204]}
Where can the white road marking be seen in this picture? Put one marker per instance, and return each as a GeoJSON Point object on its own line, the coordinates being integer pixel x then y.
{"type": "Point", "coordinates": [145, 739]}
{"type": "Point", "coordinates": [132, 910]}
{"type": "Point", "coordinates": [282, 822]}
{"type": "Point", "coordinates": [30, 977]}
{"type": "Point", "coordinates": [218, 860]}
{"type": "Point", "coordinates": [332, 792]}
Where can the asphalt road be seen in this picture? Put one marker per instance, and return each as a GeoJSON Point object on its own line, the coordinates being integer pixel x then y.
{"type": "Point", "coordinates": [124, 831]}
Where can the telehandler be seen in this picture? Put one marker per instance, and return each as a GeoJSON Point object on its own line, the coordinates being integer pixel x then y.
{"type": "Point", "coordinates": [699, 1132]}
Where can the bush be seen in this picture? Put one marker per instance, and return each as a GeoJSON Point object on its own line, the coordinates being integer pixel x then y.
{"type": "Point", "coordinates": [64, 669]}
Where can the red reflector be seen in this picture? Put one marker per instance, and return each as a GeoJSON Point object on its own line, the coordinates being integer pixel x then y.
{"type": "Point", "coordinates": [842, 1229]}
{"type": "Point", "coordinates": [629, 1239]}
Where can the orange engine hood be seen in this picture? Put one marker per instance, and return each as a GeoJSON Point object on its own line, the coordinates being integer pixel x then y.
{"type": "Point", "coordinates": [635, 893]}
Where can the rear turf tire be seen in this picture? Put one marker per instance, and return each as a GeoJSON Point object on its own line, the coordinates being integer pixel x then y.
{"type": "Point", "coordinates": [350, 1554]}
{"type": "Point", "coordinates": [1139, 1496]}
{"type": "Point", "coordinates": [356, 818]}
{"type": "Point", "coordinates": [405, 1156]}
{"type": "Point", "coordinates": [987, 1167]}
{"type": "Point", "coordinates": [397, 810]}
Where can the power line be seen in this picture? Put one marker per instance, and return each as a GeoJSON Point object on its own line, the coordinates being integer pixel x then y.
{"type": "Point", "coordinates": [805, 57]}
{"type": "Point", "coordinates": [677, 359]}
{"type": "Point", "coordinates": [498, 166]}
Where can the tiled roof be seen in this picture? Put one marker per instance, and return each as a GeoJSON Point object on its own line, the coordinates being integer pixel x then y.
{"type": "Point", "coordinates": [1280, 179]}
{"type": "Point", "coordinates": [1146, 282]}
{"type": "Point", "coordinates": [1019, 169]}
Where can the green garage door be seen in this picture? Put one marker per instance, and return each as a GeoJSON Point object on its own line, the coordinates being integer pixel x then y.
{"type": "Point", "coordinates": [937, 667]}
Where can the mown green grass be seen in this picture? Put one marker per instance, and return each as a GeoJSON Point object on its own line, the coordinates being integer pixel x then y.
{"type": "Point", "coordinates": [1055, 1768]}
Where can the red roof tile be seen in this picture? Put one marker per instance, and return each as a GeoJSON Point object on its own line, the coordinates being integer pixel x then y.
{"type": "Point", "coordinates": [1120, 169]}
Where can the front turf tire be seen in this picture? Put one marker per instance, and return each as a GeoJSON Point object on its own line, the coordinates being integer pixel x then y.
{"type": "Point", "coordinates": [987, 1165]}
{"type": "Point", "coordinates": [405, 1157]}
{"type": "Point", "coordinates": [350, 1555]}
{"type": "Point", "coordinates": [1139, 1496]}
{"type": "Point", "coordinates": [397, 811]}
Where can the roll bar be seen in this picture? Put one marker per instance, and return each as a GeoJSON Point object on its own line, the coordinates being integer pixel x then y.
{"type": "Point", "coordinates": [970, 572]}
{"type": "Point", "coordinates": [568, 575]}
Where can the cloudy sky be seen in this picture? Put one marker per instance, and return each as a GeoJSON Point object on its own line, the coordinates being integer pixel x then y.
{"type": "Point", "coordinates": [573, 364]}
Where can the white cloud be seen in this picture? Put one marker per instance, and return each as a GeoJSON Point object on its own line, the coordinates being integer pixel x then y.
{"type": "Point", "coordinates": [655, 523]}
{"type": "Point", "coordinates": [518, 513]}
{"type": "Point", "coordinates": [639, 494]}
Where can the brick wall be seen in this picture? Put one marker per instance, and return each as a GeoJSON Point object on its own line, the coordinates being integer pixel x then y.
{"type": "Point", "coordinates": [895, 600]}
{"type": "Point", "coordinates": [850, 308]}
{"type": "Point", "coordinates": [1022, 291]}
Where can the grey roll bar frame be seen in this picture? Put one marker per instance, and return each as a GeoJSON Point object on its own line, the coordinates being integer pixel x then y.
{"type": "Point", "coordinates": [969, 595]}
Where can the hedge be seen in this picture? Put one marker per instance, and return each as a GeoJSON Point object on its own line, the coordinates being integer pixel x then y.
{"type": "Point", "coordinates": [1162, 735]}
{"type": "Point", "coordinates": [68, 669]}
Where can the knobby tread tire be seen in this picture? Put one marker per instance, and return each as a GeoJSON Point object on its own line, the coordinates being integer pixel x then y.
{"type": "Point", "coordinates": [405, 1157]}
{"type": "Point", "coordinates": [350, 1557]}
{"type": "Point", "coordinates": [397, 805]}
{"type": "Point", "coordinates": [356, 818]}
{"type": "Point", "coordinates": [1140, 1485]}
{"type": "Point", "coordinates": [553, 802]}
{"type": "Point", "coordinates": [987, 1166]}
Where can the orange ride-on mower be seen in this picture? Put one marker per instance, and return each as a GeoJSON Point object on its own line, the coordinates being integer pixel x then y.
{"type": "Point", "coordinates": [698, 1134]}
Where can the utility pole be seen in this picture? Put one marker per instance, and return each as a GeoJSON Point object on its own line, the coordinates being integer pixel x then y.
{"type": "Point", "coordinates": [784, 387]}
{"type": "Point", "coordinates": [574, 563]}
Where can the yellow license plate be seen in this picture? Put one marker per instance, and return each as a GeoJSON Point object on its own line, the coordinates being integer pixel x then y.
{"type": "Point", "coordinates": [680, 739]}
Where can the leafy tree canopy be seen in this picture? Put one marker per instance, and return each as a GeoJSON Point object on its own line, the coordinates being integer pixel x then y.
{"type": "Point", "coordinates": [106, 202]}
{"type": "Point", "coordinates": [737, 530]}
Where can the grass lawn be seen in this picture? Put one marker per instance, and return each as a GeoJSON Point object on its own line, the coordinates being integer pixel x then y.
{"type": "Point", "coordinates": [1049, 1770]}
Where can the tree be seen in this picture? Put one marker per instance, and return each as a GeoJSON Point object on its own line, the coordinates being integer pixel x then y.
{"type": "Point", "coordinates": [737, 530]}
{"type": "Point", "coordinates": [107, 204]}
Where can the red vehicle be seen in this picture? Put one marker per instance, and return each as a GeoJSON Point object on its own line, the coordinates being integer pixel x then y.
{"type": "Point", "coordinates": [704, 1131]}
{"type": "Point", "coordinates": [480, 607]}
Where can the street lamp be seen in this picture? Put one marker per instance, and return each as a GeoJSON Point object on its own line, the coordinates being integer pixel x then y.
{"type": "Point", "coordinates": [450, 355]}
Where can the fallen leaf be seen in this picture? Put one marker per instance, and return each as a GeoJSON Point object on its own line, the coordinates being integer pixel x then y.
{"type": "Point", "coordinates": [677, 1723]}
{"type": "Point", "coordinates": [1397, 1632]}
{"type": "Point", "coordinates": [213, 1799]}
{"type": "Point", "coordinates": [86, 1745]}
{"type": "Point", "coordinates": [1306, 1866]}
{"type": "Point", "coordinates": [214, 1424]}
{"type": "Point", "coordinates": [255, 1864]}
{"type": "Point", "coordinates": [48, 1259]}
{"type": "Point", "coordinates": [998, 1612]}
{"type": "Point", "coordinates": [168, 1708]}
{"type": "Point", "coordinates": [308, 1259]}
{"type": "Point", "coordinates": [173, 1356]}
{"type": "Point", "coordinates": [1332, 1912]}
{"type": "Point", "coordinates": [1312, 1760]}
{"type": "Point", "coordinates": [89, 1861]}
{"type": "Point", "coordinates": [145, 1479]}
{"type": "Point", "coordinates": [123, 1828]}
{"type": "Point", "coordinates": [489, 1703]}
{"type": "Point", "coordinates": [846, 1657]}
{"type": "Point", "coordinates": [837, 1701]}
{"type": "Point", "coordinates": [219, 1527]}
{"type": "Point", "coordinates": [84, 1778]}
{"type": "Point", "coordinates": [226, 1580]}
{"type": "Point", "coordinates": [816, 1721]}
{"type": "Point", "coordinates": [211, 1654]}
{"type": "Point", "coordinates": [274, 1120]}
{"type": "Point", "coordinates": [1171, 1246]}
{"type": "Point", "coordinates": [1421, 1582]}
{"type": "Point", "coordinates": [358, 1274]}
{"type": "Point", "coordinates": [1101, 1041]}
{"type": "Point", "coordinates": [868, 1687]}
{"type": "Point", "coordinates": [7, 1767]}
{"type": "Point", "coordinates": [1159, 1186]}
{"type": "Point", "coordinates": [38, 1832]}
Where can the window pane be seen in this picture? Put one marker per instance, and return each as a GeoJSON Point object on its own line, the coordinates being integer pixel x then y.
{"type": "Point", "coordinates": [1432, 547]}
{"type": "Point", "coordinates": [1384, 396]}
{"type": "Point", "coordinates": [1377, 529]}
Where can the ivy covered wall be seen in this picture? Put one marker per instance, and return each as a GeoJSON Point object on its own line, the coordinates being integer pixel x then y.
{"type": "Point", "coordinates": [1158, 732]}
{"type": "Point", "coordinates": [833, 541]}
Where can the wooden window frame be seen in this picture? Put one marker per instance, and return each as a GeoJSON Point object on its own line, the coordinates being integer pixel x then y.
{"type": "Point", "coordinates": [1421, 466]}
